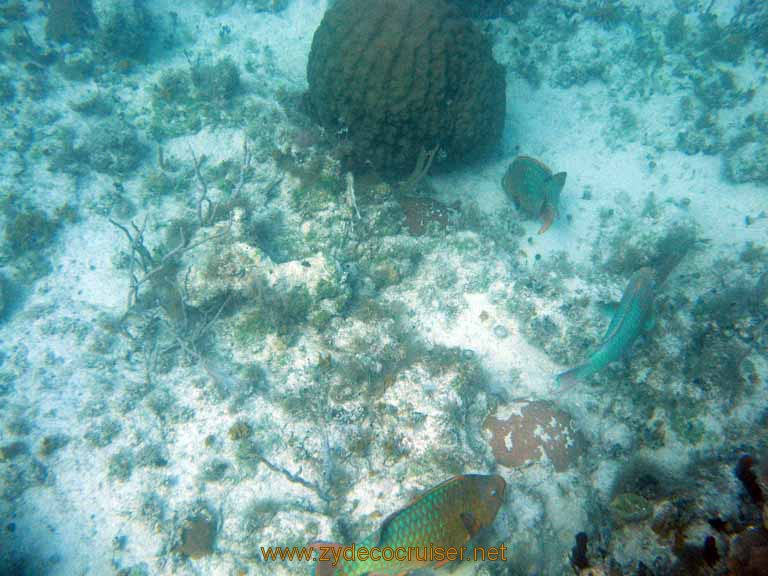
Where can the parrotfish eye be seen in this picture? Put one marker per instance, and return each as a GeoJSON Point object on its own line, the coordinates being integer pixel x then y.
{"type": "Point", "coordinates": [494, 492]}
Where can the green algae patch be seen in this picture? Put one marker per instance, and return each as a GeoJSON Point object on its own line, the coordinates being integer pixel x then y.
{"type": "Point", "coordinates": [184, 100]}
{"type": "Point", "coordinates": [240, 430]}
{"type": "Point", "coordinates": [29, 230]}
{"type": "Point", "coordinates": [275, 312]}
{"type": "Point", "coordinates": [12, 450]}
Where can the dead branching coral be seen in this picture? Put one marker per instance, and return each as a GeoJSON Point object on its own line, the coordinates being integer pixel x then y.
{"type": "Point", "coordinates": [420, 170]}
{"type": "Point", "coordinates": [207, 209]}
{"type": "Point", "coordinates": [142, 262]}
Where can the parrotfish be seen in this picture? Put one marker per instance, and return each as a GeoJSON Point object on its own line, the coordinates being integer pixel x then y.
{"type": "Point", "coordinates": [446, 516]}
{"type": "Point", "coordinates": [534, 189]}
{"type": "Point", "coordinates": [634, 314]}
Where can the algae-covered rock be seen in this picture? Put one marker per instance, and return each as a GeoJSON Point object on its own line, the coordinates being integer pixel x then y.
{"type": "Point", "coordinates": [29, 230]}
{"type": "Point", "coordinates": [127, 31]}
{"type": "Point", "coordinates": [183, 99]}
{"type": "Point", "coordinates": [749, 163]}
{"type": "Point", "coordinates": [223, 268]}
{"type": "Point", "coordinates": [405, 77]}
{"type": "Point", "coordinates": [272, 298]}
{"type": "Point", "coordinates": [630, 508]}
{"type": "Point", "coordinates": [69, 20]}
{"type": "Point", "coordinates": [216, 82]}
{"type": "Point", "coordinates": [113, 147]}
{"type": "Point", "coordinates": [229, 265]}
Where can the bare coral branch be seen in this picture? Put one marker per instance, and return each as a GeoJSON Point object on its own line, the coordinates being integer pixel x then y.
{"type": "Point", "coordinates": [423, 164]}
{"type": "Point", "coordinates": [205, 207]}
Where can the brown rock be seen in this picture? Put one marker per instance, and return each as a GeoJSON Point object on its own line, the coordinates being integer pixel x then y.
{"type": "Point", "coordinates": [524, 432]}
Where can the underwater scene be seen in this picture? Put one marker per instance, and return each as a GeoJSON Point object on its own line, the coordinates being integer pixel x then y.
{"type": "Point", "coordinates": [384, 287]}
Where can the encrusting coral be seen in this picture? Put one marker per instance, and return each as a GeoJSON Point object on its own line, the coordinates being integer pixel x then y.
{"type": "Point", "coordinates": [531, 431]}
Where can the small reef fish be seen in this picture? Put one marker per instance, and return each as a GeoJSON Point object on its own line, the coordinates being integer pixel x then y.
{"type": "Point", "coordinates": [446, 516]}
{"type": "Point", "coordinates": [534, 189]}
{"type": "Point", "coordinates": [634, 314]}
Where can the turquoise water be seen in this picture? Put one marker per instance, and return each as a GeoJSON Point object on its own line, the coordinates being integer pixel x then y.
{"type": "Point", "coordinates": [270, 269]}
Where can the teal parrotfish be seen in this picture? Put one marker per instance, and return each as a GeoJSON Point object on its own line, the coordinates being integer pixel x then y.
{"type": "Point", "coordinates": [534, 189]}
{"type": "Point", "coordinates": [634, 314]}
{"type": "Point", "coordinates": [446, 516]}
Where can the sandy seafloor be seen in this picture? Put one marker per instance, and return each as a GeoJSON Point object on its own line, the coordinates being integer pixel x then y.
{"type": "Point", "coordinates": [146, 450]}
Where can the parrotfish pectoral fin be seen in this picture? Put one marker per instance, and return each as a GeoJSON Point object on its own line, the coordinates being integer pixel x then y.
{"type": "Point", "coordinates": [568, 379]}
{"type": "Point", "coordinates": [608, 309]}
{"type": "Point", "coordinates": [470, 523]}
{"type": "Point", "coordinates": [548, 214]}
{"type": "Point", "coordinates": [324, 566]}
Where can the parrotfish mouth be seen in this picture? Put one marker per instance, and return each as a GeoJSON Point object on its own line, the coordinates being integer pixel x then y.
{"type": "Point", "coordinates": [548, 214]}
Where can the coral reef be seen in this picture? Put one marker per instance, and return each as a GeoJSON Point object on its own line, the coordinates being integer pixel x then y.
{"type": "Point", "coordinates": [305, 345]}
{"type": "Point", "coordinates": [398, 78]}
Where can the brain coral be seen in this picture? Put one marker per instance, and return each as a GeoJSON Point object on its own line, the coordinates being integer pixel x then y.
{"type": "Point", "coordinates": [398, 77]}
{"type": "Point", "coordinates": [482, 8]}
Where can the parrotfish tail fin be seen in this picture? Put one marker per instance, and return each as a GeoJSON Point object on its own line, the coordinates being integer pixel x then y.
{"type": "Point", "coordinates": [324, 566]}
{"type": "Point", "coordinates": [548, 214]}
{"type": "Point", "coordinates": [568, 379]}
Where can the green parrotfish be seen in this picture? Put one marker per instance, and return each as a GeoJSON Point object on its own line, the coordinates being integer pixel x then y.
{"type": "Point", "coordinates": [534, 189]}
{"type": "Point", "coordinates": [634, 314]}
{"type": "Point", "coordinates": [446, 516]}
